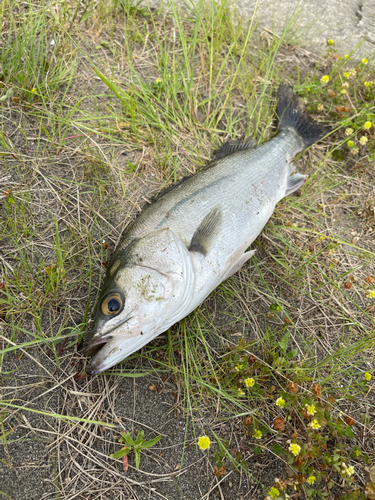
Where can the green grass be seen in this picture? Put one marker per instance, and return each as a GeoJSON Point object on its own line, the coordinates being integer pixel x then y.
{"type": "Point", "coordinates": [125, 102]}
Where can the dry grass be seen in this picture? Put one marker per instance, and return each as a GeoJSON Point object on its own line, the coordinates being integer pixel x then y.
{"type": "Point", "coordinates": [79, 164]}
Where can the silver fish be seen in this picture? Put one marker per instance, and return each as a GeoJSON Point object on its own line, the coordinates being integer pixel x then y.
{"type": "Point", "coordinates": [195, 236]}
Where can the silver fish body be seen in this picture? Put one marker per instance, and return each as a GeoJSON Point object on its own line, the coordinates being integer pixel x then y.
{"type": "Point", "coordinates": [195, 236]}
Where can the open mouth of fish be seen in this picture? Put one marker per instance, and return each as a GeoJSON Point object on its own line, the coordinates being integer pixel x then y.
{"type": "Point", "coordinates": [110, 350]}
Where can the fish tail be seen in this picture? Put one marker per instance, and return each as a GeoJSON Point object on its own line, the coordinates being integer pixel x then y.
{"type": "Point", "coordinates": [292, 114]}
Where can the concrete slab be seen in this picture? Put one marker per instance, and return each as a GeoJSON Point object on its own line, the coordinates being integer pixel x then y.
{"type": "Point", "coordinates": [348, 22]}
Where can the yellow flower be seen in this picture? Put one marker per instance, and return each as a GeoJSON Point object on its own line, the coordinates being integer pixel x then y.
{"type": "Point", "coordinates": [315, 424]}
{"type": "Point", "coordinates": [367, 84]}
{"type": "Point", "coordinates": [249, 382]}
{"type": "Point", "coordinates": [349, 471]}
{"type": "Point", "coordinates": [157, 81]}
{"type": "Point", "coordinates": [33, 90]}
{"type": "Point", "coordinates": [274, 492]}
{"type": "Point", "coordinates": [308, 89]}
{"type": "Point", "coordinates": [204, 442]}
{"type": "Point", "coordinates": [240, 392]}
{"type": "Point", "coordinates": [239, 367]}
{"type": "Point", "coordinates": [348, 132]}
{"type": "Point", "coordinates": [363, 140]}
{"type": "Point", "coordinates": [367, 376]}
{"type": "Point", "coordinates": [310, 409]}
{"type": "Point", "coordinates": [357, 452]}
{"type": "Point", "coordinates": [324, 79]}
{"type": "Point", "coordinates": [346, 74]}
{"type": "Point", "coordinates": [280, 402]}
{"type": "Point", "coordinates": [258, 434]}
{"type": "Point", "coordinates": [367, 125]}
{"type": "Point", "coordinates": [365, 61]}
{"type": "Point", "coordinates": [295, 449]}
{"type": "Point", "coordinates": [342, 91]}
{"type": "Point", "coordinates": [330, 41]}
{"type": "Point", "coordinates": [311, 479]}
{"type": "Point", "coordinates": [350, 144]}
{"type": "Point", "coordinates": [370, 294]}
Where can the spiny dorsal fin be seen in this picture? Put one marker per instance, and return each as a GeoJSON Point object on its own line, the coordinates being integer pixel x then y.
{"type": "Point", "coordinates": [207, 231]}
{"type": "Point", "coordinates": [230, 147]}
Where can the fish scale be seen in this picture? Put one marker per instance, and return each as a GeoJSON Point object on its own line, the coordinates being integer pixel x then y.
{"type": "Point", "coordinates": [182, 246]}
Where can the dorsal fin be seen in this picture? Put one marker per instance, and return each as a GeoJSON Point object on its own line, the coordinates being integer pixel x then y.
{"type": "Point", "coordinates": [230, 147]}
{"type": "Point", "coordinates": [207, 231]}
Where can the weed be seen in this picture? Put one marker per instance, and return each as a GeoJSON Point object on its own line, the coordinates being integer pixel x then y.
{"type": "Point", "coordinates": [136, 445]}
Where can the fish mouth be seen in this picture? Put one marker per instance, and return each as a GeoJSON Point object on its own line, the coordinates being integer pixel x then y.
{"type": "Point", "coordinates": [94, 346]}
{"type": "Point", "coordinates": [110, 350]}
{"type": "Point", "coordinates": [105, 352]}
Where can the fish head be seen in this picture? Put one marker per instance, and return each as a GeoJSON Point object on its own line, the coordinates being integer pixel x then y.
{"type": "Point", "coordinates": [147, 289]}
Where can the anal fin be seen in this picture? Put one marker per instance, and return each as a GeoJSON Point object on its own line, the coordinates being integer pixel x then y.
{"type": "Point", "coordinates": [295, 182]}
{"type": "Point", "coordinates": [207, 231]}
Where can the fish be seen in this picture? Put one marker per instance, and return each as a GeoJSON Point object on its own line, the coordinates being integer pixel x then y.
{"type": "Point", "coordinates": [195, 236]}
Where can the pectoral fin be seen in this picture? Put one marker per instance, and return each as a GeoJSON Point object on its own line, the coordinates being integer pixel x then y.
{"type": "Point", "coordinates": [207, 231]}
{"type": "Point", "coordinates": [295, 182]}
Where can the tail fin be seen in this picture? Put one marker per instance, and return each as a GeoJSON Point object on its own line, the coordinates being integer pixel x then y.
{"type": "Point", "coordinates": [291, 114]}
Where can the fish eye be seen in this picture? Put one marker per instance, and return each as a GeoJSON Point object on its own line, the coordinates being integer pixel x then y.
{"type": "Point", "coordinates": [112, 304]}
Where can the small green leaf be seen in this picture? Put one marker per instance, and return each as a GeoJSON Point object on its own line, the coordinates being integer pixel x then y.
{"type": "Point", "coordinates": [127, 439]}
{"type": "Point", "coordinates": [349, 432]}
{"type": "Point", "coordinates": [151, 442]}
{"type": "Point", "coordinates": [137, 458]}
{"type": "Point", "coordinates": [121, 453]}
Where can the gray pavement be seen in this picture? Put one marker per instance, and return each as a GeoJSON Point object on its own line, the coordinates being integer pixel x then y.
{"type": "Point", "coordinates": [347, 22]}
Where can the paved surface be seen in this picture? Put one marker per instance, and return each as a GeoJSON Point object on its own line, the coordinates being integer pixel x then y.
{"type": "Point", "coordinates": [347, 22]}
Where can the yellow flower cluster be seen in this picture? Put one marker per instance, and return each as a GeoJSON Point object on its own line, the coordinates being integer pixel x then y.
{"type": "Point", "coordinates": [204, 442]}
{"type": "Point", "coordinates": [311, 479]}
{"type": "Point", "coordinates": [274, 492]}
{"type": "Point", "coordinates": [367, 125]}
{"type": "Point", "coordinates": [350, 73]}
{"type": "Point", "coordinates": [249, 382]}
{"type": "Point", "coordinates": [325, 79]}
{"type": "Point", "coordinates": [258, 434]}
{"type": "Point", "coordinates": [295, 448]}
{"type": "Point", "coordinates": [310, 409]}
{"type": "Point", "coordinates": [280, 402]}
{"type": "Point", "coordinates": [315, 424]}
{"type": "Point", "coordinates": [348, 471]}
{"type": "Point", "coordinates": [348, 132]}
{"type": "Point", "coordinates": [367, 376]}
{"type": "Point", "coordinates": [363, 140]}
